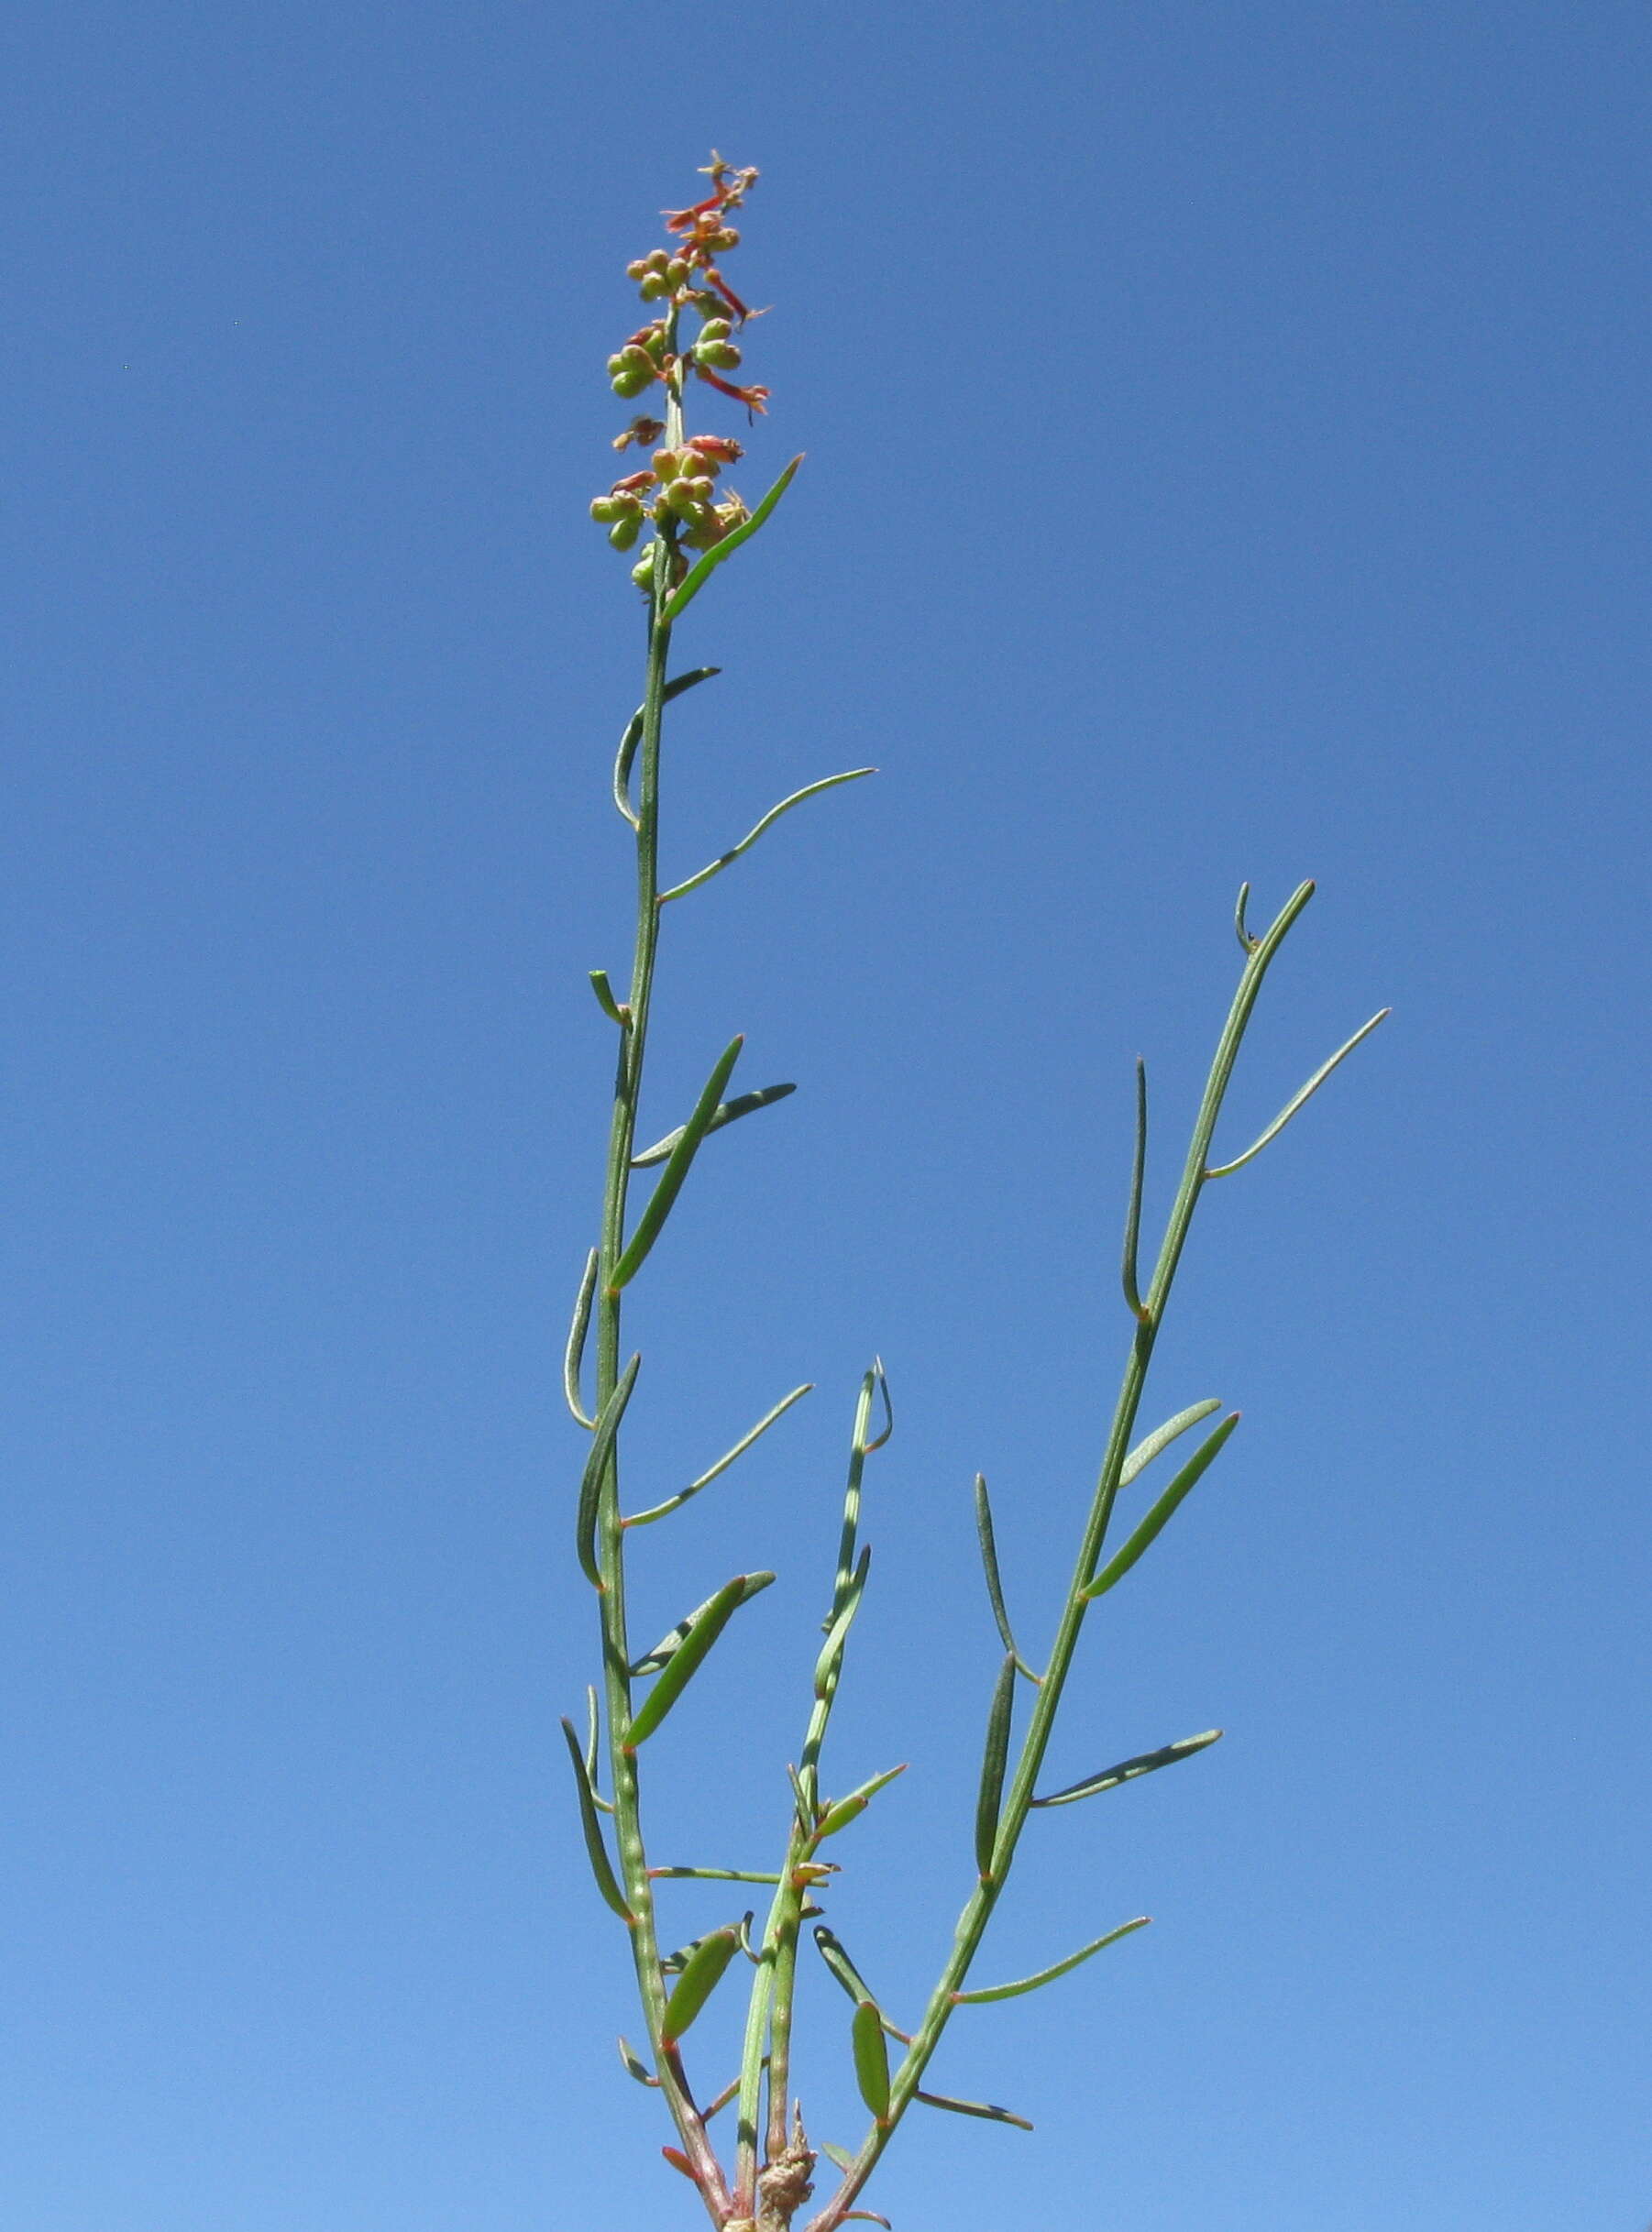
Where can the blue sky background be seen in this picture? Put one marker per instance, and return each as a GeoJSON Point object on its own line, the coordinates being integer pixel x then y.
{"type": "Point", "coordinates": [1227, 456]}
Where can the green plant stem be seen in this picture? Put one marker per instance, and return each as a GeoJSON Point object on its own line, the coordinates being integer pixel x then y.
{"type": "Point", "coordinates": [977, 1911]}
{"type": "Point", "coordinates": [610, 1542]}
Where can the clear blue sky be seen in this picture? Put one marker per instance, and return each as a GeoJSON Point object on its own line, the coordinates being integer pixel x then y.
{"type": "Point", "coordinates": [1227, 456]}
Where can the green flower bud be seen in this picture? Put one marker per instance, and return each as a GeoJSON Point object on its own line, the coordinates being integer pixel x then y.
{"type": "Point", "coordinates": [666, 463]}
{"type": "Point", "coordinates": [628, 384]}
{"type": "Point", "coordinates": [724, 237]}
{"type": "Point", "coordinates": [641, 573]}
{"type": "Point", "coordinates": [636, 269]}
{"type": "Point", "coordinates": [716, 328]}
{"type": "Point", "coordinates": [657, 259]}
{"type": "Point", "coordinates": [721, 356]}
{"type": "Point", "coordinates": [604, 509]}
{"type": "Point", "coordinates": [676, 271]}
{"type": "Point", "coordinates": [625, 532]}
{"type": "Point", "coordinates": [654, 287]}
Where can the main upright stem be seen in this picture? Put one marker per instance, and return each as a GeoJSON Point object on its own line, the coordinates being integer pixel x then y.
{"type": "Point", "coordinates": [611, 1534]}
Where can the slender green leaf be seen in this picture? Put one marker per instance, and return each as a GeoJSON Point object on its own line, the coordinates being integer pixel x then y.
{"type": "Point", "coordinates": [874, 1383]}
{"type": "Point", "coordinates": [1143, 1454]}
{"type": "Point", "coordinates": [606, 1001]}
{"type": "Point", "coordinates": [718, 1875]}
{"type": "Point", "coordinates": [1297, 1100]}
{"type": "Point", "coordinates": [595, 1468]}
{"type": "Point", "coordinates": [702, 1974]}
{"type": "Point", "coordinates": [843, 1810]}
{"type": "Point", "coordinates": [672, 1504]}
{"type": "Point", "coordinates": [837, 1634]}
{"type": "Point", "coordinates": [716, 867]}
{"type": "Point", "coordinates": [573, 1355]}
{"type": "Point", "coordinates": [871, 2058]}
{"type": "Point", "coordinates": [1132, 1216]}
{"type": "Point", "coordinates": [992, 1765]}
{"type": "Point", "coordinates": [669, 1182]}
{"type": "Point", "coordinates": [633, 737]}
{"type": "Point", "coordinates": [1247, 944]}
{"type": "Point", "coordinates": [972, 2107]}
{"type": "Point", "coordinates": [1031, 1984]}
{"type": "Point", "coordinates": [995, 1586]}
{"type": "Point", "coordinates": [727, 1112]}
{"type": "Point", "coordinates": [1126, 1771]}
{"type": "Point", "coordinates": [840, 2155]}
{"type": "Point", "coordinates": [845, 1972]}
{"type": "Point", "coordinates": [684, 1663]}
{"type": "Point", "coordinates": [601, 1866]}
{"type": "Point", "coordinates": [635, 2066]}
{"type": "Point", "coordinates": [672, 1642]}
{"type": "Point", "coordinates": [593, 1733]}
{"type": "Point", "coordinates": [1153, 1525]}
{"type": "Point", "coordinates": [701, 572]}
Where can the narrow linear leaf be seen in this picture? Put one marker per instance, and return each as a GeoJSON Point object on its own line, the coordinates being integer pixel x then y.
{"type": "Point", "coordinates": [573, 1355]}
{"type": "Point", "coordinates": [679, 2161]}
{"type": "Point", "coordinates": [716, 867]}
{"type": "Point", "coordinates": [871, 2058]}
{"type": "Point", "coordinates": [670, 1643]}
{"type": "Point", "coordinates": [592, 1732]}
{"type": "Point", "coordinates": [1298, 1100]}
{"type": "Point", "coordinates": [684, 1663]}
{"type": "Point", "coordinates": [1153, 1525]}
{"type": "Point", "coordinates": [972, 2107]}
{"type": "Point", "coordinates": [866, 2216]}
{"type": "Point", "coordinates": [635, 2066]}
{"type": "Point", "coordinates": [992, 1764]}
{"type": "Point", "coordinates": [669, 1182]}
{"type": "Point", "coordinates": [606, 1001]}
{"type": "Point", "coordinates": [718, 1875]}
{"type": "Point", "coordinates": [840, 2155]}
{"type": "Point", "coordinates": [673, 1503]}
{"type": "Point", "coordinates": [1247, 944]}
{"type": "Point", "coordinates": [600, 1866]}
{"type": "Point", "coordinates": [633, 737]}
{"type": "Point", "coordinates": [702, 1974]}
{"type": "Point", "coordinates": [1132, 1215]}
{"type": "Point", "coordinates": [1031, 1984]}
{"type": "Point", "coordinates": [701, 572]}
{"type": "Point", "coordinates": [1126, 1771]}
{"type": "Point", "coordinates": [874, 1383]}
{"type": "Point", "coordinates": [994, 1587]}
{"type": "Point", "coordinates": [843, 1810]}
{"type": "Point", "coordinates": [845, 1972]}
{"type": "Point", "coordinates": [595, 1468]}
{"type": "Point", "coordinates": [1143, 1454]}
{"type": "Point", "coordinates": [727, 1112]}
{"type": "Point", "coordinates": [837, 1635]}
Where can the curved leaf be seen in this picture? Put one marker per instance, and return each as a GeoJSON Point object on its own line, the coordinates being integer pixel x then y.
{"type": "Point", "coordinates": [684, 1663]}
{"type": "Point", "coordinates": [595, 1468]}
{"type": "Point", "coordinates": [1059, 1968]}
{"type": "Point", "coordinates": [600, 1866]}
{"type": "Point", "coordinates": [1126, 1771]}
{"type": "Point", "coordinates": [701, 572]}
{"type": "Point", "coordinates": [1153, 1525]}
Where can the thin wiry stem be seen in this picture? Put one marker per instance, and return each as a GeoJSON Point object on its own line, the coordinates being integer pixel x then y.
{"type": "Point", "coordinates": [633, 1869]}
